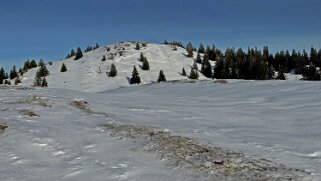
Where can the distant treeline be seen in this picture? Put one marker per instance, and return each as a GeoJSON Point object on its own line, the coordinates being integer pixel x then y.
{"type": "Point", "coordinates": [255, 64]}
{"type": "Point", "coordinates": [252, 64]}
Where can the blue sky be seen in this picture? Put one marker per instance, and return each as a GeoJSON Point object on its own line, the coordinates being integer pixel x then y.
{"type": "Point", "coordinates": [50, 28]}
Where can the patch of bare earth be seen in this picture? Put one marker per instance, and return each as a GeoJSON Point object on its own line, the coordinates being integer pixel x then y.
{"type": "Point", "coordinates": [3, 126]}
{"type": "Point", "coordinates": [184, 153]}
{"type": "Point", "coordinates": [29, 113]}
{"type": "Point", "coordinates": [31, 100]}
{"type": "Point", "coordinates": [212, 162]}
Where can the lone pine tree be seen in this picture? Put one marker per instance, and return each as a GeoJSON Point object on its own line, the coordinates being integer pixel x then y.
{"type": "Point", "coordinates": [103, 59]}
{"type": "Point", "coordinates": [145, 65]}
{"type": "Point", "coordinates": [141, 57]}
{"type": "Point", "coordinates": [63, 68]}
{"type": "Point", "coordinates": [183, 72]}
{"type": "Point", "coordinates": [135, 77]}
{"type": "Point", "coordinates": [161, 76]}
{"type": "Point", "coordinates": [113, 71]}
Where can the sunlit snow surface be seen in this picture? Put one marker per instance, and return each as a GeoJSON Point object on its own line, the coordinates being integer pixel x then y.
{"type": "Point", "coordinates": [276, 120]}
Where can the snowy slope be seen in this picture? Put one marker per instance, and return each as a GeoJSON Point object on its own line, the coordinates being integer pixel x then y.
{"type": "Point", "coordinates": [84, 75]}
{"type": "Point", "coordinates": [274, 120]}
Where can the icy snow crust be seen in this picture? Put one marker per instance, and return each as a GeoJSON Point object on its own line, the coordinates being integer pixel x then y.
{"type": "Point", "coordinates": [274, 120]}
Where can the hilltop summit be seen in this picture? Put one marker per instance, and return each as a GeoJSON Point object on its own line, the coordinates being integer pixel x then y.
{"type": "Point", "coordinates": [90, 72]}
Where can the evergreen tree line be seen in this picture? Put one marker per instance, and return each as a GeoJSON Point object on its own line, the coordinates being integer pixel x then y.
{"type": "Point", "coordinates": [3, 75]}
{"type": "Point", "coordinates": [90, 48]}
{"type": "Point", "coordinates": [175, 43]}
{"type": "Point", "coordinates": [256, 64]}
{"type": "Point", "coordinates": [40, 78]}
{"type": "Point", "coordinates": [79, 54]}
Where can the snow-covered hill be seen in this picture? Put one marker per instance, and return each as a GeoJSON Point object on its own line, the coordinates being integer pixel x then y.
{"type": "Point", "coordinates": [89, 72]}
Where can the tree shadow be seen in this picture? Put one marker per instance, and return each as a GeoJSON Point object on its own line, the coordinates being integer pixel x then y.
{"type": "Point", "coordinates": [128, 79]}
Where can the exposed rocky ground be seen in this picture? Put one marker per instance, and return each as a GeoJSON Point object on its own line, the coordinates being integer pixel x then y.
{"type": "Point", "coordinates": [215, 163]}
{"type": "Point", "coordinates": [185, 153]}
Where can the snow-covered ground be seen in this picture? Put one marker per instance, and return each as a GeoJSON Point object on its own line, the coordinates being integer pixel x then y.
{"type": "Point", "coordinates": [51, 137]}
{"type": "Point", "coordinates": [275, 120]}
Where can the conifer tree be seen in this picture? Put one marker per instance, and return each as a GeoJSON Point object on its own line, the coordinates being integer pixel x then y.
{"type": "Point", "coordinates": [137, 46]}
{"type": "Point", "coordinates": [135, 77]}
{"type": "Point", "coordinates": [63, 68]}
{"type": "Point", "coordinates": [218, 69]}
{"type": "Point", "coordinates": [183, 72]}
{"type": "Point", "coordinates": [113, 71]}
{"type": "Point", "coordinates": [89, 48]}
{"type": "Point", "coordinates": [145, 65]}
{"type": "Point", "coordinates": [20, 71]}
{"type": "Point", "coordinates": [26, 65]}
{"type": "Point", "coordinates": [310, 73]}
{"type": "Point", "coordinates": [42, 72]}
{"type": "Point", "coordinates": [281, 75]}
{"type": "Point", "coordinates": [161, 76]}
{"type": "Point", "coordinates": [2, 75]}
{"type": "Point", "coordinates": [13, 73]}
{"type": "Point", "coordinates": [198, 58]}
{"type": "Point", "coordinates": [78, 54]}
{"type": "Point", "coordinates": [72, 53]}
{"type": "Point", "coordinates": [195, 66]}
{"type": "Point", "coordinates": [207, 68]}
{"type": "Point", "coordinates": [44, 82]}
{"type": "Point", "coordinates": [189, 49]}
{"type": "Point", "coordinates": [96, 46]}
{"type": "Point", "coordinates": [41, 63]}
{"type": "Point", "coordinates": [33, 64]}
{"type": "Point", "coordinates": [103, 59]}
{"type": "Point", "coordinates": [141, 57]}
{"type": "Point", "coordinates": [193, 74]}
{"type": "Point", "coordinates": [201, 49]}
